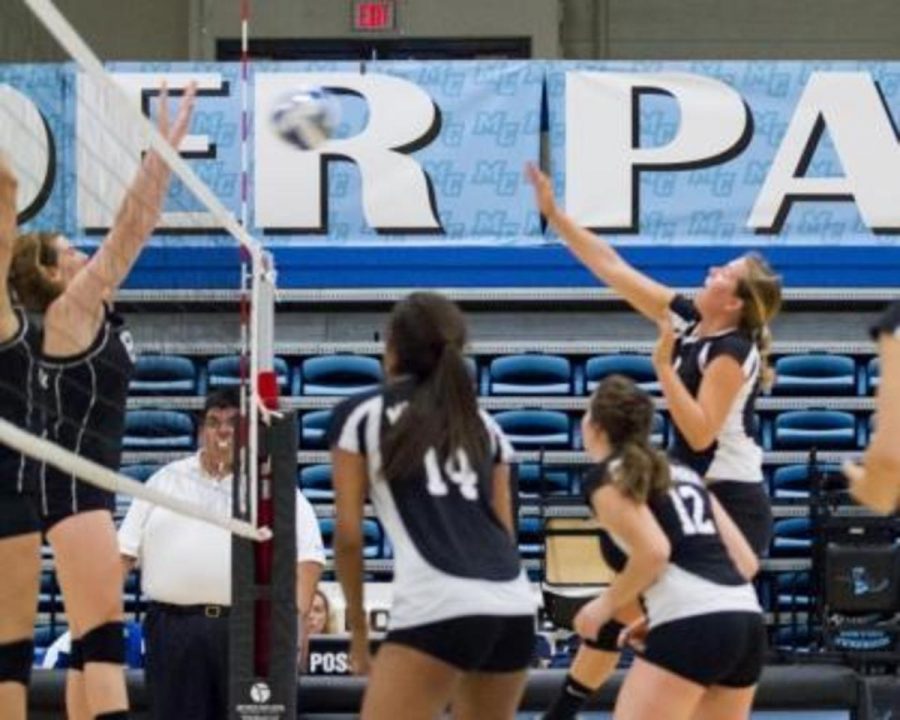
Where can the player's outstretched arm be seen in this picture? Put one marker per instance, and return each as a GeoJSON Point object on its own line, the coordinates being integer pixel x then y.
{"type": "Point", "coordinates": [643, 293]}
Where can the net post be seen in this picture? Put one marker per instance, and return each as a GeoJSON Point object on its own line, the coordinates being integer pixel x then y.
{"type": "Point", "coordinates": [263, 625]}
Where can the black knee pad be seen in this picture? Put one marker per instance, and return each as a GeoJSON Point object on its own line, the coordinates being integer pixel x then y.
{"type": "Point", "coordinates": [104, 644]}
{"type": "Point", "coordinates": [607, 637]}
{"type": "Point", "coordinates": [76, 655]}
{"type": "Point", "coordinates": [15, 661]}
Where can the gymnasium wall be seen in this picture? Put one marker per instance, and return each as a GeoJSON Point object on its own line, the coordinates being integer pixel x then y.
{"type": "Point", "coordinates": [115, 29]}
{"type": "Point", "coordinates": [534, 19]}
{"type": "Point", "coordinates": [737, 29]}
{"type": "Point", "coordinates": [611, 29]}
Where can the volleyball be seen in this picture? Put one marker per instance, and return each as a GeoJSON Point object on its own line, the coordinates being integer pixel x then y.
{"type": "Point", "coordinates": [306, 117]}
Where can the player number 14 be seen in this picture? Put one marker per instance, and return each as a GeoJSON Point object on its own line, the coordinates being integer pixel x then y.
{"type": "Point", "coordinates": [457, 469]}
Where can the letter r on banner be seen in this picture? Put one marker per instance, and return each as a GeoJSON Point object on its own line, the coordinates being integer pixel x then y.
{"type": "Point", "coordinates": [290, 185]}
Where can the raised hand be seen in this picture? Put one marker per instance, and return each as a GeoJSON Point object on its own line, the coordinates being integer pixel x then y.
{"type": "Point", "coordinates": [9, 186]}
{"type": "Point", "coordinates": [543, 191]}
{"type": "Point", "coordinates": [175, 132]}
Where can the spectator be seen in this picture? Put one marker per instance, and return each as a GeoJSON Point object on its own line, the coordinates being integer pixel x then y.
{"type": "Point", "coordinates": [319, 622]}
{"type": "Point", "coordinates": [186, 566]}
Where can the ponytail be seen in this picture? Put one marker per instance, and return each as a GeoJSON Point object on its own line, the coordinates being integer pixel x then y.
{"type": "Point", "coordinates": [625, 413]}
{"type": "Point", "coordinates": [763, 339]}
{"type": "Point", "coordinates": [426, 335]}
{"type": "Point", "coordinates": [760, 289]}
{"type": "Point", "coordinates": [643, 471]}
{"type": "Point", "coordinates": [28, 279]}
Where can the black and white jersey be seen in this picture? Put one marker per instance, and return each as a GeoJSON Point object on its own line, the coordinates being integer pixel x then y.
{"type": "Point", "coordinates": [453, 558]}
{"type": "Point", "coordinates": [735, 454]}
{"type": "Point", "coordinates": [888, 323]}
{"type": "Point", "coordinates": [700, 577]}
{"type": "Point", "coordinates": [83, 398]}
{"type": "Point", "coordinates": [18, 365]}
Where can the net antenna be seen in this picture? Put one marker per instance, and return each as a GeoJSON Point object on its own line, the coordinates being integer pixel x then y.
{"type": "Point", "coordinates": [260, 277]}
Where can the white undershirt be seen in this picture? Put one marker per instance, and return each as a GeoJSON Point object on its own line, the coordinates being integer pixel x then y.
{"type": "Point", "coordinates": [186, 561]}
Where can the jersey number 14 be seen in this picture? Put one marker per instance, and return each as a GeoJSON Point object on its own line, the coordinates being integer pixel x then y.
{"type": "Point", "coordinates": [457, 469]}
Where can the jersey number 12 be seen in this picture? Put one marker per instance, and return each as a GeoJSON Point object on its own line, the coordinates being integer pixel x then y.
{"type": "Point", "coordinates": [691, 508]}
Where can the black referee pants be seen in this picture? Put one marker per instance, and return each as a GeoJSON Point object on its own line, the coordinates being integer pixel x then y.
{"type": "Point", "coordinates": [186, 663]}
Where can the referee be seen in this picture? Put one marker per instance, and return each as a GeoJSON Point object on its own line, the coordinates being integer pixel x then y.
{"type": "Point", "coordinates": [186, 573]}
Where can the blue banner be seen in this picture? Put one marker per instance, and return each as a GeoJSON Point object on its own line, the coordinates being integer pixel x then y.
{"type": "Point", "coordinates": [762, 168]}
{"type": "Point", "coordinates": [801, 159]}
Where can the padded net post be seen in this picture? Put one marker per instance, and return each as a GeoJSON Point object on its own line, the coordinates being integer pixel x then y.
{"type": "Point", "coordinates": [263, 661]}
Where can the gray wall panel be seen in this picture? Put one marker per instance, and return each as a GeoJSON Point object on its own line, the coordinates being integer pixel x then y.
{"type": "Point", "coordinates": [753, 29]}
{"type": "Point", "coordinates": [188, 29]}
{"type": "Point", "coordinates": [537, 19]}
{"type": "Point", "coordinates": [115, 30]}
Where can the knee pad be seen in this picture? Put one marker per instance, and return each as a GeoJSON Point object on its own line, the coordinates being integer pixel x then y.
{"type": "Point", "coordinates": [607, 637]}
{"type": "Point", "coordinates": [76, 655]}
{"type": "Point", "coordinates": [104, 644]}
{"type": "Point", "coordinates": [15, 661]}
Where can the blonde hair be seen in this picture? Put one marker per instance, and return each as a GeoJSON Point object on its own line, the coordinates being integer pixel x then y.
{"type": "Point", "coordinates": [328, 629]}
{"type": "Point", "coordinates": [33, 254]}
{"type": "Point", "coordinates": [760, 290]}
{"type": "Point", "coordinates": [625, 413]}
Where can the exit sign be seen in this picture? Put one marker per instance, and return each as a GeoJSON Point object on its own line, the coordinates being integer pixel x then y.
{"type": "Point", "coordinates": [373, 15]}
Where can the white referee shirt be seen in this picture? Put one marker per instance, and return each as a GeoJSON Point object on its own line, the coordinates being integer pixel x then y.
{"type": "Point", "coordinates": [186, 561]}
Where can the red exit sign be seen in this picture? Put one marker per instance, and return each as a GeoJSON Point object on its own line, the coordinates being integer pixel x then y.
{"type": "Point", "coordinates": [373, 15]}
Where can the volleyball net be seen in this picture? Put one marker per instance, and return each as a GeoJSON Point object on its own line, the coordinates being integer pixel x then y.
{"type": "Point", "coordinates": [92, 155]}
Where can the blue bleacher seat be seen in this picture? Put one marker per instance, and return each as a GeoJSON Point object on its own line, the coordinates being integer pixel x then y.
{"type": "Point", "coordinates": [823, 429]}
{"type": "Point", "coordinates": [530, 374]}
{"type": "Point", "coordinates": [873, 375]}
{"type": "Point", "coordinates": [225, 372]}
{"type": "Point", "coordinates": [531, 537]}
{"type": "Point", "coordinates": [815, 374]}
{"type": "Point", "coordinates": [140, 472]}
{"type": "Point", "coordinates": [637, 367]}
{"type": "Point", "coordinates": [553, 480]}
{"type": "Point", "coordinates": [46, 634]}
{"type": "Point", "coordinates": [659, 431]}
{"type": "Point", "coordinates": [315, 483]}
{"type": "Point", "coordinates": [532, 429]}
{"type": "Point", "coordinates": [792, 537]}
{"type": "Point", "coordinates": [543, 649]}
{"type": "Point", "coordinates": [793, 636]}
{"type": "Point", "coordinates": [792, 482]}
{"type": "Point", "coordinates": [373, 538]}
{"type": "Point", "coordinates": [793, 591]}
{"type": "Point", "coordinates": [50, 595]}
{"type": "Point", "coordinates": [337, 375]}
{"type": "Point", "coordinates": [163, 375]}
{"type": "Point", "coordinates": [158, 430]}
{"type": "Point", "coordinates": [313, 428]}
